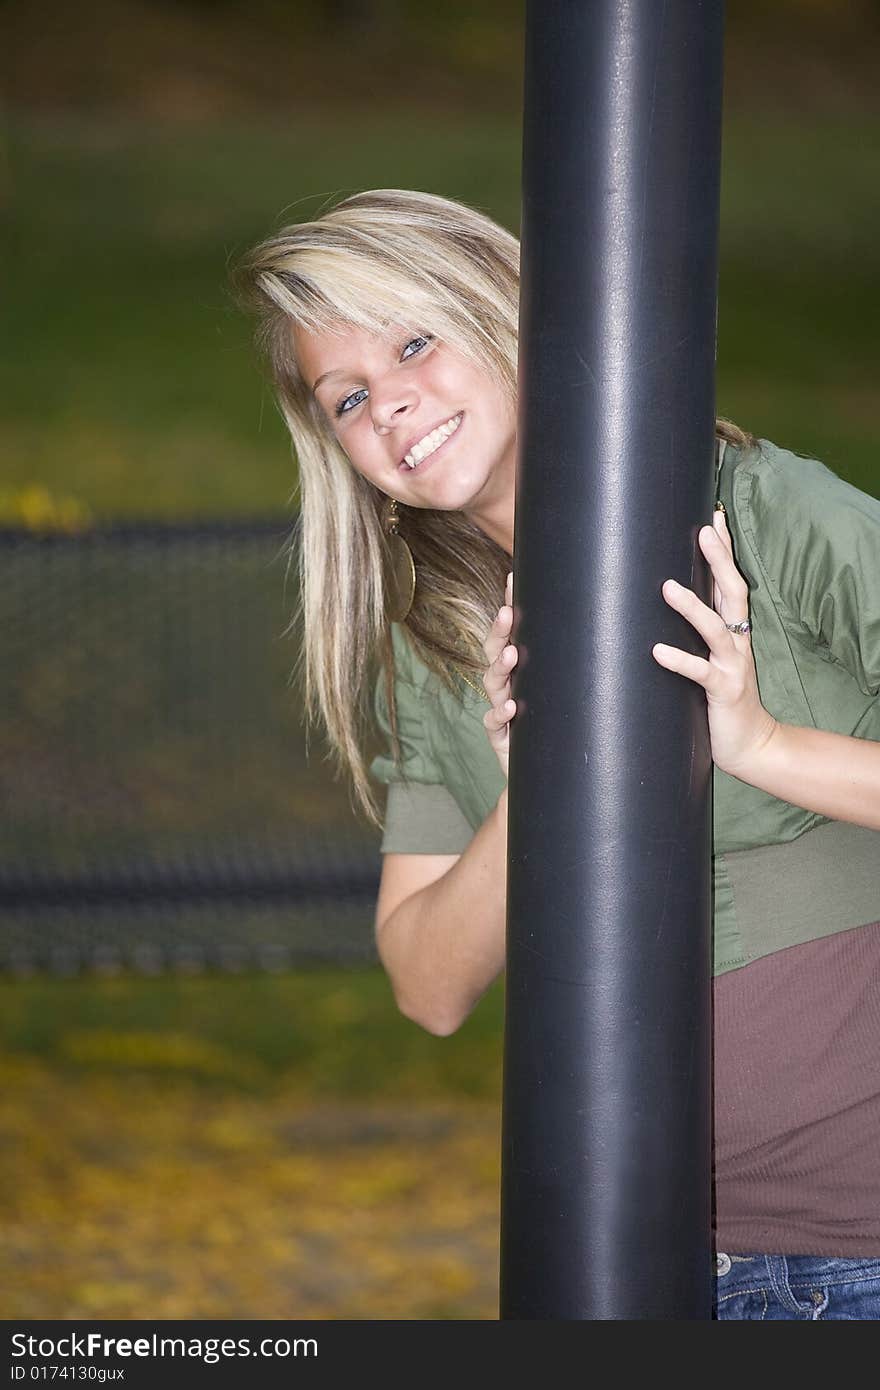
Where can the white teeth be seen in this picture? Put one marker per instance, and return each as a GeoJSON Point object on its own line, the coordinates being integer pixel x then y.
{"type": "Point", "coordinates": [431, 442]}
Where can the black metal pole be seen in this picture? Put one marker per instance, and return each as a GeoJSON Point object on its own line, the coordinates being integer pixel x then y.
{"type": "Point", "coordinates": [606, 1157]}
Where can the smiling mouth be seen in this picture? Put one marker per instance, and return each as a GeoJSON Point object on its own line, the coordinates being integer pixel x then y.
{"type": "Point", "coordinates": [425, 450]}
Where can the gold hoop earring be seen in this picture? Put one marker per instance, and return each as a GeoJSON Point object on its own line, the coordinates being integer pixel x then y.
{"type": "Point", "coordinates": [400, 574]}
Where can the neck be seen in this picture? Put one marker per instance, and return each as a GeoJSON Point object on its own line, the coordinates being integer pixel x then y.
{"type": "Point", "coordinates": [494, 513]}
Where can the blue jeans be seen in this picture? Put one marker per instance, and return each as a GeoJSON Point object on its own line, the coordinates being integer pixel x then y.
{"type": "Point", "coordinates": [800, 1287]}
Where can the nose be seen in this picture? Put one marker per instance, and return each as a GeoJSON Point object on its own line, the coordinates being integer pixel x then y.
{"type": "Point", "coordinates": [391, 402]}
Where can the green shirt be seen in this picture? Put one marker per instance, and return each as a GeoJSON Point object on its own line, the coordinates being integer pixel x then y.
{"type": "Point", "coordinates": [808, 545]}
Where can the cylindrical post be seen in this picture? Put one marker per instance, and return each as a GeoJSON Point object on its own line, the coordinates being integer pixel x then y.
{"type": "Point", "coordinates": [606, 1160]}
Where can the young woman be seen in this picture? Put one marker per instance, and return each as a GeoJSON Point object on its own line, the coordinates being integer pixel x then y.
{"type": "Point", "coordinates": [390, 327]}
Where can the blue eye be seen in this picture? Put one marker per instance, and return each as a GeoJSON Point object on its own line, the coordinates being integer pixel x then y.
{"type": "Point", "coordinates": [423, 340]}
{"type": "Point", "coordinates": [343, 408]}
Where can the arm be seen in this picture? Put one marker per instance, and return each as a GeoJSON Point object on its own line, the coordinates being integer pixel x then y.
{"type": "Point", "coordinates": [440, 916]}
{"type": "Point", "coordinates": [443, 945]}
{"type": "Point", "coordinates": [835, 775]}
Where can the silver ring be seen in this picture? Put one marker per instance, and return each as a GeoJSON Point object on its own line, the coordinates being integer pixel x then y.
{"type": "Point", "coordinates": [743, 627]}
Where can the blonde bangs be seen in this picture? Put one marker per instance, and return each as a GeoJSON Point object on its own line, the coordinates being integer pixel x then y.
{"type": "Point", "coordinates": [401, 281]}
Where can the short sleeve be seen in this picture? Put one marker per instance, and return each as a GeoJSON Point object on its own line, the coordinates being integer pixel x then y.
{"type": "Point", "coordinates": [421, 814]}
{"type": "Point", "coordinates": [417, 762]}
{"type": "Point", "coordinates": [819, 538]}
{"type": "Point", "coordinates": [422, 819]}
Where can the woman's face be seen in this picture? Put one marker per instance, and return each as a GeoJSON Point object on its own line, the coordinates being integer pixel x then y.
{"type": "Point", "coordinates": [413, 399]}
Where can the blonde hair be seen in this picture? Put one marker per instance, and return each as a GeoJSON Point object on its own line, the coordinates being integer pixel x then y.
{"type": "Point", "coordinates": [384, 260]}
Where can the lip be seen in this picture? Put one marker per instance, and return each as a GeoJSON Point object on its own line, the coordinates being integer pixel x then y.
{"type": "Point", "coordinates": [425, 463]}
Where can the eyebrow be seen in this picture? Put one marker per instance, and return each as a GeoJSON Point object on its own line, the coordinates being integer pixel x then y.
{"type": "Point", "coordinates": [337, 371]}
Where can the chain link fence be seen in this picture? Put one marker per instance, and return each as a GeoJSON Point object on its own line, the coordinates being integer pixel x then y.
{"type": "Point", "coordinates": [158, 807]}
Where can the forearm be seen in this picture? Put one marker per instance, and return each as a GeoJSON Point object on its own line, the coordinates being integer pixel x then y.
{"type": "Point", "coordinates": [834, 775]}
{"type": "Point", "coordinates": [443, 946]}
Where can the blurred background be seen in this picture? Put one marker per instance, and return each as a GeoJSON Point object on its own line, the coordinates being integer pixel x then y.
{"type": "Point", "coordinates": [217, 1112]}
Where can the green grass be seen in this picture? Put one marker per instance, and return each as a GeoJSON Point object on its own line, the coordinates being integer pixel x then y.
{"type": "Point", "coordinates": [260, 1146]}
{"type": "Point", "coordinates": [129, 375]}
{"type": "Point", "coordinates": [319, 1033]}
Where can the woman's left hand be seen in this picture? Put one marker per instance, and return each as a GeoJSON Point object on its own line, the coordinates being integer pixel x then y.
{"type": "Point", "coordinates": [739, 725]}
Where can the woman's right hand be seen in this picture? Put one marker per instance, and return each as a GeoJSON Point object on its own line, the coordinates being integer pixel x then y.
{"type": "Point", "coordinates": [502, 657]}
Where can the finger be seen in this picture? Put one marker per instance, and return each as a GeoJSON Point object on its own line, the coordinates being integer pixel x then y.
{"type": "Point", "coordinates": [717, 596]}
{"type": "Point", "coordinates": [498, 717]}
{"type": "Point", "coordinates": [734, 591]}
{"type": "Point", "coordinates": [499, 632]}
{"type": "Point", "coordinates": [503, 624]}
{"type": "Point", "coordinates": [684, 663]}
{"type": "Point", "coordinates": [719, 521]}
{"type": "Point", "coordinates": [708, 623]}
{"type": "Point", "coordinates": [719, 547]}
{"type": "Point", "coordinates": [496, 678]}
{"type": "Point", "coordinates": [738, 596]}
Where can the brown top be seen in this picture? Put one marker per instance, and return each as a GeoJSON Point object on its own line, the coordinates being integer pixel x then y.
{"type": "Point", "coordinates": [797, 1100]}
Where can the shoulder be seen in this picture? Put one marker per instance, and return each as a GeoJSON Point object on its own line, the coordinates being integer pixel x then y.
{"type": "Point", "coordinates": [409, 669]}
{"type": "Point", "coordinates": [809, 541]}
{"type": "Point", "coordinates": [774, 487]}
{"type": "Point", "coordinates": [417, 686]}
{"type": "Point", "coordinates": [794, 517]}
